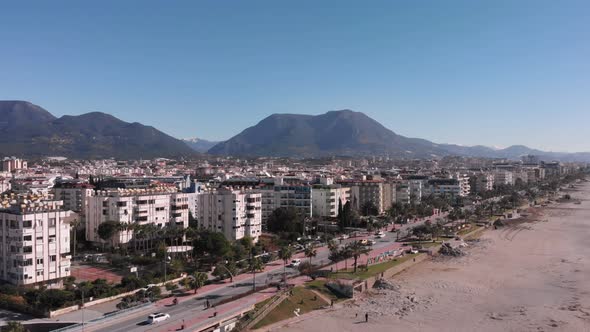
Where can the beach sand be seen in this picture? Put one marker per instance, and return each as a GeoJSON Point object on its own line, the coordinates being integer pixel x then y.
{"type": "Point", "coordinates": [533, 276]}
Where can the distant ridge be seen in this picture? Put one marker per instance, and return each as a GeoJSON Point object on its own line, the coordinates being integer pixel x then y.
{"type": "Point", "coordinates": [199, 145]}
{"type": "Point", "coordinates": [349, 133]}
{"type": "Point", "coordinates": [29, 130]}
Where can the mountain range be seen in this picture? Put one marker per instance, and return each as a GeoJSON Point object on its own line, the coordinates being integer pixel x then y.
{"type": "Point", "coordinates": [349, 133]}
{"type": "Point", "coordinates": [31, 131]}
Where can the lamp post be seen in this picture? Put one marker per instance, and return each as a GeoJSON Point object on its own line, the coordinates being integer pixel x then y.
{"type": "Point", "coordinates": [231, 276]}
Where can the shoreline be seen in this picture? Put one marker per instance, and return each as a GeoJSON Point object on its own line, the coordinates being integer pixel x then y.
{"type": "Point", "coordinates": [515, 278]}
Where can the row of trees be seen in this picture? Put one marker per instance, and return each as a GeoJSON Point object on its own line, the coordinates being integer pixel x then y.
{"type": "Point", "coordinates": [352, 250]}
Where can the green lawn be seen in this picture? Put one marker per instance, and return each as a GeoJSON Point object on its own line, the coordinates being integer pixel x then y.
{"type": "Point", "coordinates": [373, 269]}
{"type": "Point", "coordinates": [302, 298]}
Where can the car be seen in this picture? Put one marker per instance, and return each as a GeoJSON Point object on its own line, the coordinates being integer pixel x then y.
{"type": "Point", "coordinates": [344, 237]}
{"type": "Point", "coordinates": [364, 242]}
{"type": "Point", "coordinates": [414, 251]}
{"type": "Point", "coordinates": [380, 235]}
{"type": "Point", "coordinates": [295, 263]}
{"type": "Point", "coordinates": [372, 242]}
{"type": "Point", "coordinates": [157, 318]}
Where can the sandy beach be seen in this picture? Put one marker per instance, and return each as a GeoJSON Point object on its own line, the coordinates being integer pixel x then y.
{"type": "Point", "coordinates": [533, 276]}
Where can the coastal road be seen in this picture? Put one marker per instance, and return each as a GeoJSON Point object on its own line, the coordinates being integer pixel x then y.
{"type": "Point", "coordinates": [190, 306]}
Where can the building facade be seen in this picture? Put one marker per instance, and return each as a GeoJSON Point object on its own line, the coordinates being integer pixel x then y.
{"type": "Point", "coordinates": [160, 206]}
{"type": "Point", "coordinates": [34, 241]}
{"type": "Point", "coordinates": [326, 199]}
{"type": "Point", "coordinates": [235, 213]}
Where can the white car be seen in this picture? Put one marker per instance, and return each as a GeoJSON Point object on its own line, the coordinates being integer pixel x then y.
{"type": "Point", "coordinates": [372, 242]}
{"type": "Point", "coordinates": [295, 263]}
{"type": "Point", "coordinates": [157, 317]}
{"type": "Point", "coordinates": [380, 235]}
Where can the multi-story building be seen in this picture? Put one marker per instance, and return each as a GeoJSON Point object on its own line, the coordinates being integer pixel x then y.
{"type": "Point", "coordinates": [4, 184]}
{"type": "Point", "coordinates": [34, 240]}
{"type": "Point", "coordinates": [161, 206]}
{"type": "Point", "coordinates": [439, 187]}
{"type": "Point", "coordinates": [403, 193]}
{"type": "Point", "coordinates": [10, 164]}
{"type": "Point", "coordinates": [326, 199]}
{"type": "Point", "coordinates": [502, 177]}
{"type": "Point", "coordinates": [482, 182]}
{"type": "Point", "coordinates": [235, 213]}
{"type": "Point", "coordinates": [463, 180]}
{"type": "Point", "coordinates": [74, 195]}
{"type": "Point", "coordinates": [367, 191]}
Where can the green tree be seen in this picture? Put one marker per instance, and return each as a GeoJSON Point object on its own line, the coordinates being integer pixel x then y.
{"type": "Point", "coordinates": [285, 254]}
{"type": "Point", "coordinates": [224, 271]}
{"type": "Point", "coordinates": [310, 252]}
{"type": "Point", "coordinates": [255, 266]}
{"type": "Point", "coordinates": [357, 249]}
{"type": "Point", "coordinates": [13, 326]}
{"type": "Point", "coordinates": [212, 243]}
{"type": "Point", "coordinates": [107, 230]}
{"type": "Point", "coordinates": [285, 220]}
{"type": "Point", "coordinates": [198, 280]}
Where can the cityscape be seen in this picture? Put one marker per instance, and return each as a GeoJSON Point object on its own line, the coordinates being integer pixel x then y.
{"type": "Point", "coordinates": [333, 166]}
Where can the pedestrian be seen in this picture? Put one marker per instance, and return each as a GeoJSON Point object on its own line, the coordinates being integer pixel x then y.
{"type": "Point", "coordinates": [215, 314]}
{"type": "Point", "coordinates": [331, 303]}
{"type": "Point", "coordinates": [356, 315]}
{"type": "Point", "coordinates": [366, 317]}
{"type": "Point", "coordinates": [208, 305]}
{"type": "Point", "coordinates": [182, 327]}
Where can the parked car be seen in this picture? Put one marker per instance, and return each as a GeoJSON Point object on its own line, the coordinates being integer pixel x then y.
{"type": "Point", "coordinates": [364, 242]}
{"type": "Point", "coordinates": [157, 318]}
{"type": "Point", "coordinates": [380, 235]}
{"type": "Point", "coordinates": [294, 263]}
{"type": "Point", "coordinates": [372, 242]}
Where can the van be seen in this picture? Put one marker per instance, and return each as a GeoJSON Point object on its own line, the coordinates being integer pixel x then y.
{"type": "Point", "coordinates": [157, 318]}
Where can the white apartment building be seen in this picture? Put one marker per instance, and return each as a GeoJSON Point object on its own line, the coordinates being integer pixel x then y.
{"type": "Point", "coordinates": [284, 196]}
{"type": "Point", "coordinates": [34, 240]}
{"type": "Point", "coordinates": [502, 177]}
{"type": "Point", "coordinates": [439, 187]}
{"type": "Point", "coordinates": [4, 184]}
{"type": "Point", "coordinates": [235, 213]}
{"type": "Point", "coordinates": [161, 206]}
{"type": "Point", "coordinates": [10, 164]}
{"type": "Point", "coordinates": [326, 198]}
{"type": "Point", "coordinates": [463, 180]}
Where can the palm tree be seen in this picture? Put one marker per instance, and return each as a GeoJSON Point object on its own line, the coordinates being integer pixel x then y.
{"type": "Point", "coordinates": [255, 265]}
{"type": "Point", "coordinates": [345, 254]}
{"type": "Point", "coordinates": [310, 252]}
{"type": "Point", "coordinates": [285, 254]}
{"type": "Point", "coordinates": [14, 326]}
{"type": "Point", "coordinates": [356, 250]}
{"type": "Point", "coordinates": [198, 281]}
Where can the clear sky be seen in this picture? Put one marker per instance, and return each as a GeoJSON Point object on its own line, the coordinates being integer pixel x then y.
{"type": "Point", "coordinates": [495, 72]}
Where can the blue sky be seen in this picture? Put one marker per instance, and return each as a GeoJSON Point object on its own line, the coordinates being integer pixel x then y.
{"type": "Point", "coordinates": [469, 72]}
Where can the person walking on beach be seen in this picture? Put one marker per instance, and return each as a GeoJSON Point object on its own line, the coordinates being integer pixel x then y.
{"type": "Point", "coordinates": [366, 317]}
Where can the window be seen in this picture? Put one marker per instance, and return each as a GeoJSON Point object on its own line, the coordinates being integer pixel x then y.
{"type": "Point", "coordinates": [28, 249]}
{"type": "Point", "coordinates": [27, 238]}
{"type": "Point", "coordinates": [40, 273]}
{"type": "Point", "coordinates": [51, 222]}
{"type": "Point", "coordinates": [121, 204]}
{"type": "Point", "coordinates": [160, 208]}
{"type": "Point", "coordinates": [27, 223]}
{"type": "Point", "coordinates": [52, 258]}
{"type": "Point", "coordinates": [104, 212]}
{"type": "Point", "coordinates": [39, 260]}
{"type": "Point", "coordinates": [152, 201]}
{"type": "Point", "coordinates": [105, 204]}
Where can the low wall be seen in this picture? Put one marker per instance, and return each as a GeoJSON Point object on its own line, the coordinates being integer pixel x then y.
{"type": "Point", "coordinates": [62, 311]}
